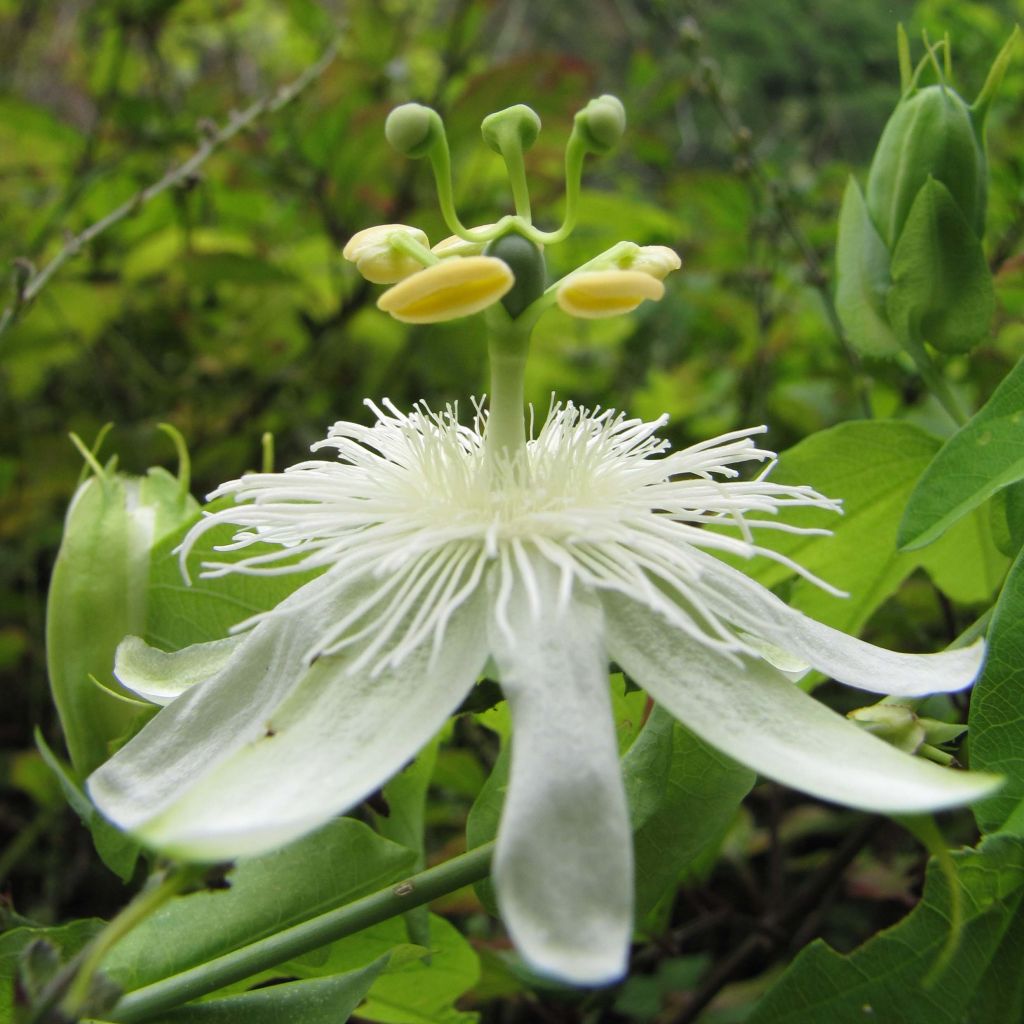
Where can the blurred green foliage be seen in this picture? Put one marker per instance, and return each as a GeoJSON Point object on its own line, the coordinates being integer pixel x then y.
{"type": "Point", "coordinates": [223, 306]}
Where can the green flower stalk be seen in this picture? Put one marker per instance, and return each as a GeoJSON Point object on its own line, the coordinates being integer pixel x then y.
{"type": "Point", "coordinates": [911, 269]}
{"type": "Point", "coordinates": [97, 596]}
{"type": "Point", "coordinates": [447, 549]}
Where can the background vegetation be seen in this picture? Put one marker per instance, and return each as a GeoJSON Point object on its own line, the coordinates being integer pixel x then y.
{"type": "Point", "coordinates": [223, 306]}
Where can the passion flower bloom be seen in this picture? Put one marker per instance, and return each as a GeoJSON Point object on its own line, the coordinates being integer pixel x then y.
{"type": "Point", "coordinates": [439, 560]}
{"type": "Point", "coordinates": [447, 550]}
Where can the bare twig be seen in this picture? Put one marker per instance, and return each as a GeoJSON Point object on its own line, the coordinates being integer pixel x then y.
{"type": "Point", "coordinates": [775, 929]}
{"type": "Point", "coordinates": [27, 288]}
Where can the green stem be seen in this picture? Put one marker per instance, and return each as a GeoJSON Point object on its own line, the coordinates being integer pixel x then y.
{"type": "Point", "coordinates": [515, 166]}
{"type": "Point", "coordinates": [401, 242]}
{"type": "Point", "coordinates": [575, 151]}
{"type": "Point", "coordinates": [935, 381]}
{"type": "Point", "coordinates": [146, 903]}
{"type": "Point", "coordinates": [242, 963]}
{"type": "Point", "coordinates": [441, 163]}
{"type": "Point", "coordinates": [508, 345]}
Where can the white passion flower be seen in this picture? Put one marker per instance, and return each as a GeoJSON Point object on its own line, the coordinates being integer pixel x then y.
{"type": "Point", "coordinates": [440, 560]}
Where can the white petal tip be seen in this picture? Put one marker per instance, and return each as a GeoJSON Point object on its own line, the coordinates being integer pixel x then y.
{"type": "Point", "coordinates": [584, 968]}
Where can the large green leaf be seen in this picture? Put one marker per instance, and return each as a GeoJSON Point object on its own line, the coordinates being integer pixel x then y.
{"type": "Point", "coordinates": [872, 466]}
{"type": "Point", "coordinates": [997, 704]}
{"type": "Point", "coordinates": [683, 796]}
{"type": "Point", "coordinates": [887, 979]}
{"type": "Point", "coordinates": [981, 458]}
{"type": "Point", "coordinates": [331, 867]}
{"type": "Point", "coordinates": [328, 1000]}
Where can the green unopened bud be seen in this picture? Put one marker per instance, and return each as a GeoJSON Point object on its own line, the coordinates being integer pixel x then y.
{"type": "Point", "coordinates": [526, 262]}
{"type": "Point", "coordinates": [519, 122]}
{"type": "Point", "coordinates": [601, 123]}
{"type": "Point", "coordinates": [931, 133]}
{"type": "Point", "coordinates": [413, 129]}
{"type": "Point", "coordinates": [98, 595]}
{"type": "Point", "coordinates": [895, 723]}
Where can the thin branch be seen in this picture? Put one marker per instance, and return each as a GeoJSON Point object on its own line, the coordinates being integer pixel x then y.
{"type": "Point", "coordinates": [160, 996]}
{"type": "Point", "coordinates": [775, 929]}
{"type": "Point", "coordinates": [26, 289]}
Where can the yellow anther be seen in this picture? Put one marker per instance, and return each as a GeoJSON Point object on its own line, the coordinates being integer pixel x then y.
{"type": "Point", "coordinates": [657, 260]}
{"type": "Point", "coordinates": [448, 290]}
{"type": "Point", "coordinates": [377, 259]}
{"type": "Point", "coordinates": [605, 293]}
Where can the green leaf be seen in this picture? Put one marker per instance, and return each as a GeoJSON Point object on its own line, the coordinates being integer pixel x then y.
{"type": "Point", "coordinates": [67, 939]}
{"type": "Point", "coordinates": [941, 286]}
{"type": "Point", "coordinates": [406, 797]}
{"type": "Point", "coordinates": [983, 456]}
{"type": "Point", "coordinates": [862, 267]}
{"type": "Point", "coordinates": [331, 867]}
{"type": "Point", "coordinates": [872, 466]}
{"type": "Point", "coordinates": [997, 705]}
{"type": "Point", "coordinates": [183, 611]}
{"type": "Point", "coordinates": [63, 941]}
{"type": "Point", "coordinates": [884, 979]}
{"type": "Point", "coordinates": [683, 796]}
{"type": "Point", "coordinates": [313, 1001]}
{"type": "Point", "coordinates": [484, 818]}
{"type": "Point", "coordinates": [420, 986]}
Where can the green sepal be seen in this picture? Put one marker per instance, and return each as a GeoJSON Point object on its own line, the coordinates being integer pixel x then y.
{"type": "Point", "coordinates": [941, 286]}
{"type": "Point", "coordinates": [931, 134]}
{"type": "Point", "coordinates": [98, 595]}
{"type": "Point", "coordinates": [862, 269]}
{"type": "Point", "coordinates": [118, 851]}
{"type": "Point", "coordinates": [980, 106]}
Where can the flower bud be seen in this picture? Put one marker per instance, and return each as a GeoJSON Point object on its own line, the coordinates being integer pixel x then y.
{"type": "Point", "coordinates": [910, 264]}
{"type": "Point", "coordinates": [98, 596]}
{"type": "Point", "coordinates": [448, 290]}
{"type": "Point", "coordinates": [895, 723]}
{"type": "Point", "coordinates": [602, 293]}
{"type": "Point", "coordinates": [931, 133]}
{"type": "Point", "coordinates": [377, 259]}
{"type": "Point", "coordinates": [601, 123]}
{"type": "Point", "coordinates": [413, 128]}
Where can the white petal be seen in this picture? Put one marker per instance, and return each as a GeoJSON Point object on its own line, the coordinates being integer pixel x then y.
{"type": "Point", "coordinates": [754, 714]}
{"type": "Point", "coordinates": [845, 658]}
{"type": "Point", "coordinates": [159, 676]}
{"type": "Point", "coordinates": [563, 868]}
{"type": "Point", "coordinates": [269, 748]}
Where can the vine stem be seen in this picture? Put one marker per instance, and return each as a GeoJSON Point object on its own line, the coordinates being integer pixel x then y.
{"type": "Point", "coordinates": [29, 282]}
{"type": "Point", "coordinates": [144, 1003]}
{"type": "Point", "coordinates": [935, 381]}
{"type": "Point", "coordinates": [145, 904]}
